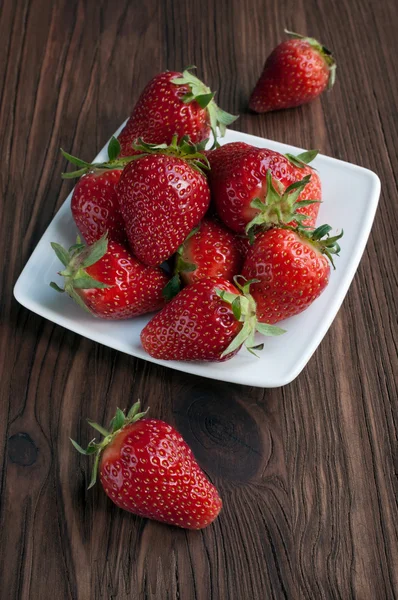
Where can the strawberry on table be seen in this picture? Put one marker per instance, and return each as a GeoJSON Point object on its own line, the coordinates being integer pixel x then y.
{"type": "Point", "coordinates": [146, 468]}
{"type": "Point", "coordinates": [291, 268]}
{"type": "Point", "coordinates": [163, 195]}
{"type": "Point", "coordinates": [296, 72]}
{"type": "Point", "coordinates": [174, 103]}
{"type": "Point", "coordinates": [209, 320]}
{"type": "Point", "coordinates": [95, 207]}
{"type": "Point", "coordinates": [108, 281]}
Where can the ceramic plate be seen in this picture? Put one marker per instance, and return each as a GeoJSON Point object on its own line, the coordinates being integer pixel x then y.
{"type": "Point", "coordinates": [350, 197]}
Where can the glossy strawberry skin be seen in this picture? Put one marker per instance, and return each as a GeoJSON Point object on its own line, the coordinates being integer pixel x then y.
{"type": "Point", "coordinates": [162, 198]}
{"type": "Point", "coordinates": [195, 325]}
{"type": "Point", "coordinates": [149, 470]}
{"type": "Point", "coordinates": [160, 113]}
{"type": "Point", "coordinates": [135, 289]}
{"type": "Point", "coordinates": [95, 207]}
{"type": "Point", "coordinates": [238, 176]}
{"type": "Point", "coordinates": [294, 74]}
{"type": "Point", "coordinates": [291, 274]}
{"type": "Point", "coordinates": [215, 252]}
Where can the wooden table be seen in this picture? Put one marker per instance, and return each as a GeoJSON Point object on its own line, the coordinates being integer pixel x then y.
{"type": "Point", "coordinates": [306, 471]}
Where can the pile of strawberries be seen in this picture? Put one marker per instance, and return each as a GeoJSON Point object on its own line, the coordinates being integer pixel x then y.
{"type": "Point", "coordinates": [223, 243]}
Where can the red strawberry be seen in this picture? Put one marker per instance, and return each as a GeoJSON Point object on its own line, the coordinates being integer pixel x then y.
{"type": "Point", "coordinates": [162, 196]}
{"type": "Point", "coordinates": [238, 176]}
{"type": "Point", "coordinates": [296, 72]}
{"type": "Point", "coordinates": [292, 270]}
{"type": "Point", "coordinates": [146, 468]}
{"type": "Point", "coordinates": [239, 181]}
{"type": "Point", "coordinates": [208, 320]}
{"type": "Point", "coordinates": [209, 251]}
{"type": "Point", "coordinates": [174, 104]}
{"type": "Point", "coordinates": [95, 207]}
{"type": "Point", "coordinates": [108, 281]}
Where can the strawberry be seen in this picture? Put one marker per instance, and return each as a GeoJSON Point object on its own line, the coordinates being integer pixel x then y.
{"type": "Point", "coordinates": [162, 196]}
{"type": "Point", "coordinates": [95, 207]}
{"type": "Point", "coordinates": [146, 468]}
{"type": "Point", "coordinates": [208, 320]}
{"type": "Point", "coordinates": [291, 269]}
{"type": "Point", "coordinates": [174, 103]}
{"type": "Point", "coordinates": [296, 72]}
{"type": "Point", "coordinates": [108, 281]}
{"type": "Point", "coordinates": [239, 181]}
{"type": "Point", "coordinates": [210, 250]}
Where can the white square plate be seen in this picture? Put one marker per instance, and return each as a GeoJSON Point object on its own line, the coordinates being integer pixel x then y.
{"type": "Point", "coordinates": [350, 198]}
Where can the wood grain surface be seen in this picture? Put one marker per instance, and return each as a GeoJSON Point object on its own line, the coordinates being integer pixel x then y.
{"type": "Point", "coordinates": [307, 472]}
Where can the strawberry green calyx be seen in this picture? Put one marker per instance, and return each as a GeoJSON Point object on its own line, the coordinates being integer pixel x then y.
{"type": "Point", "coordinates": [205, 98]}
{"type": "Point", "coordinates": [76, 260]}
{"type": "Point", "coordinates": [173, 286]}
{"type": "Point", "coordinates": [320, 239]}
{"type": "Point", "coordinates": [279, 208]}
{"type": "Point", "coordinates": [119, 421]}
{"type": "Point", "coordinates": [185, 149]}
{"type": "Point", "coordinates": [113, 161]}
{"type": "Point", "coordinates": [244, 310]}
{"type": "Point", "coordinates": [323, 51]}
{"type": "Point", "coordinates": [302, 160]}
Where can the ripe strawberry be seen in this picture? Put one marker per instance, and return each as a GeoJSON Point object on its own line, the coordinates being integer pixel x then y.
{"type": "Point", "coordinates": [239, 181]}
{"type": "Point", "coordinates": [95, 207]}
{"type": "Point", "coordinates": [162, 196]}
{"type": "Point", "coordinates": [146, 468]}
{"type": "Point", "coordinates": [108, 281]}
{"type": "Point", "coordinates": [174, 104]}
{"type": "Point", "coordinates": [296, 72]}
{"type": "Point", "coordinates": [208, 320]}
{"type": "Point", "coordinates": [291, 268]}
{"type": "Point", "coordinates": [210, 250]}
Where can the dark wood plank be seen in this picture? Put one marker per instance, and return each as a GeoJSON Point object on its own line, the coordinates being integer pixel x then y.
{"type": "Point", "coordinates": [307, 472]}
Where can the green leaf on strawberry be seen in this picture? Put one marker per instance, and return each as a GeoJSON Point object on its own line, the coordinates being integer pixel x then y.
{"type": "Point", "coordinates": [279, 208]}
{"type": "Point", "coordinates": [303, 159]}
{"type": "Point", "coordinates": [244, 310]}
{"type": "Point", "coordinates": [113, 148]}
{"type": "Point", "coordinates": [219, 119]}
